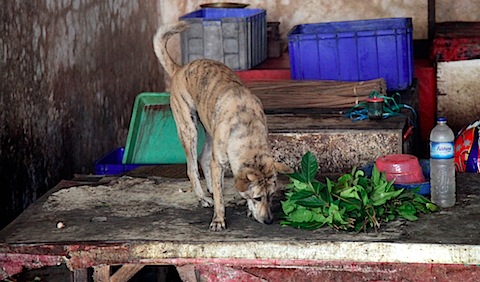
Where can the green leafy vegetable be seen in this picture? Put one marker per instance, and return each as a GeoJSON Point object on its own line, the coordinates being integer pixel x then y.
{"type": "Point", "coordinates": [353, 202]}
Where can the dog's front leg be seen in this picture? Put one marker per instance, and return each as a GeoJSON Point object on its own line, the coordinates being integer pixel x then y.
{"type": "Point", "coordinates": [218, 221]}
{"type": "Point", "coordinates": [187, 132]}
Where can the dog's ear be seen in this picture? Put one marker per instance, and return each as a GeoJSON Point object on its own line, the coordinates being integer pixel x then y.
{"type": "Point", "coordinates": [282, 168]}
{"type": "Point", "coordinates": [252, 176]}
{"type": "Point", "coordinates": [245, 178]}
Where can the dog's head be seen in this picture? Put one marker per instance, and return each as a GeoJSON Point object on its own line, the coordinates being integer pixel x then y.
{"type": "Point", "coordinates": [257, 186]}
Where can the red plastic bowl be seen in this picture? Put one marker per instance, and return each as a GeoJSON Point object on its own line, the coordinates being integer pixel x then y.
{"type": "Point", "coordinates": [403, 168]}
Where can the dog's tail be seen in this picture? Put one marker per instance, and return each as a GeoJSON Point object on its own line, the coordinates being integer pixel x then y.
{"type": "Point", "coordinates": [160, 45]}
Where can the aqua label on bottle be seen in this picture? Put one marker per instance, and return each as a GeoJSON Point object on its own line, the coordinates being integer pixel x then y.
{"type": "Point", "coordinates": [442, 150]}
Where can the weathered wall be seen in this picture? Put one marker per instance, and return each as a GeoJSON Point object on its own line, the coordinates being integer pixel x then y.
{"type": "Point", "coordinates": [70, 70]}
{"type": "Point", "coordinates": [291, 12]}
{"type": "Point", "coordinates": [69, 73]}
{"type": "Point", "coordinates": [459, 10]}
{"type": "Point", "coordinates": [457, 92]}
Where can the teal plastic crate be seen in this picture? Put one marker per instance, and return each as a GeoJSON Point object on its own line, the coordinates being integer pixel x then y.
{"type": "Point", "coordinates": [152, 135]}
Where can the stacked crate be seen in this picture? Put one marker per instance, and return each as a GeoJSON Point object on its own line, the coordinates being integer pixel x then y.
{"type": "Point", "coordinates": [354, 51]}
{"type": "Point", "coordinates": [235, 37]}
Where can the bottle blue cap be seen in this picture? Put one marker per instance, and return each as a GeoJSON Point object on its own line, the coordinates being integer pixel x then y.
{"type": "Point", "coordinates": [441, 119]}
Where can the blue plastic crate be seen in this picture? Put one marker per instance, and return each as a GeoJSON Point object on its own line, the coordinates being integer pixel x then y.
{"type": "Point", "coordinates": [111, 163]}
{"type": "Point", "coordinates": [354, 51]}
{"type": "Point", "coordinates": [235, 37]}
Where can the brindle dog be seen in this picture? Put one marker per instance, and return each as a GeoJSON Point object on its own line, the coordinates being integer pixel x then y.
{"type": "Point", "coordinates": [236, 131]}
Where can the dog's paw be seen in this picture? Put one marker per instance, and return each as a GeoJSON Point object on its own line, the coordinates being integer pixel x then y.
{"type": "Point", "coordinates": [217, 225]}
{"type": "Point", "coordinates": [206, 202]}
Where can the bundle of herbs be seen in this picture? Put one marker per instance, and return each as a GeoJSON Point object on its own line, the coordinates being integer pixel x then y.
{"type": "Point", "coordinates": [354, 202]}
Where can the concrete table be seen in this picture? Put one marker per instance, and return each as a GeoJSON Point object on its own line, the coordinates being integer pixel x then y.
{"type": "Point", "coordinates": [137, 221]}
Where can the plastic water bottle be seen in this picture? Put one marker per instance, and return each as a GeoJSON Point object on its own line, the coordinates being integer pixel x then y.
{"type": "Point", "coordinates": [442, 165]}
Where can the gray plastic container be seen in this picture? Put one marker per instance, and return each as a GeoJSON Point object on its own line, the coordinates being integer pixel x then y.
{"type": "Point", "coordinates": [235, 37]}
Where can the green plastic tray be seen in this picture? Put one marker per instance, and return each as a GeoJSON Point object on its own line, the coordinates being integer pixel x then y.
{"type": "Point", "coordinates": [152, 135]}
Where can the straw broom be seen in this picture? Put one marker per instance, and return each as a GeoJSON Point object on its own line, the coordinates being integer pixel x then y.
{"type": "Point", "coordinates": [321, 94]}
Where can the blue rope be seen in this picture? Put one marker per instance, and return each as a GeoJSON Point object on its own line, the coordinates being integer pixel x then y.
{"type": "Point", "coordinates": [390, 108]}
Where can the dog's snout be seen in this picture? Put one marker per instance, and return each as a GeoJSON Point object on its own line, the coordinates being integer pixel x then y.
{"type": "Point", "coordinates": [268, 220]}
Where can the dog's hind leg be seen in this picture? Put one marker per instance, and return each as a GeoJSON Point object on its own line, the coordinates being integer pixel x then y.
{"type": "Point", "coordinates": [186, 120]}
{"type": "Point", "coordinates": [218, 221]}
{"type": "Point", "coordinates": [205, 160]}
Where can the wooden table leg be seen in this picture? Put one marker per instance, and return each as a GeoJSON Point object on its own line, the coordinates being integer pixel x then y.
{"type": "Point", "coordinates": [80, 275]}
{"type": "Point", "coordinates": [187, 273]}
{"type": "Point", "coordinates": [101, 273]}
{"type": "Point", "coordinates": [126, 272]}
